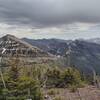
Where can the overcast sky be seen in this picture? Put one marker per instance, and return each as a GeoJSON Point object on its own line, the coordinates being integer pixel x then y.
{"type": "Point", "coordinates": [64, 19]}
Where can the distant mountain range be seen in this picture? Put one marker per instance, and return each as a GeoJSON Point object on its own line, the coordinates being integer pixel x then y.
{"type": "Point", "coordinates": [85, 54]}
{"type": "Point", "coordinates": [94, 40]}
{"type": "Point", "coordinates": [53, 46]}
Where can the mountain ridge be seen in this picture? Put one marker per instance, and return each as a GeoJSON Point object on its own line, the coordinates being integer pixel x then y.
{"type": "Point", "coordinates": [85, 55]}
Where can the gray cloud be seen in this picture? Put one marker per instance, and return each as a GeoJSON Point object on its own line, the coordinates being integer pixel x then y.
{"type": "Point", "coordinates": [44, 13]}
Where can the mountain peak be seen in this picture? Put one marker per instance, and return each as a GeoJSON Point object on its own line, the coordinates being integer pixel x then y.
{"type": "Point", "coordinates": [15, 45]}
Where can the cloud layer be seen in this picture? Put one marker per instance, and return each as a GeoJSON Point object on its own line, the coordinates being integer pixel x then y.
{"type": "Point", "coordinates": [49, 12]}
{"type": "Point", "coordinates": [52, 18]}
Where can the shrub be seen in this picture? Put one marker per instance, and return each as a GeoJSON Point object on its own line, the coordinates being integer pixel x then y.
{"type": "Point", "coordinates": [53, 92]}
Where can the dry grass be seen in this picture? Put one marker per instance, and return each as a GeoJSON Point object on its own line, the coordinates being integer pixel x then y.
{"type": "Point", "coordinates": [86, 93]}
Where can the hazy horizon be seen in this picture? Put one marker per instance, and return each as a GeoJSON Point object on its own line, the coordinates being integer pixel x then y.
{"type": "Point", "coordinates": [2, 35]}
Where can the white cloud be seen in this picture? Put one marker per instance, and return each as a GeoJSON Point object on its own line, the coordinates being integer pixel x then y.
{"type": "Point", "coordinates": [70, 31]}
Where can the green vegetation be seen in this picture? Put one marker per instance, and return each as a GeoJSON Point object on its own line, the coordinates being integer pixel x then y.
{"type": "Point", "coordinates": [19, 87]}
{"type": "Point", "coordinates": [63, 78]}
{"type": "Point", "coordinates": [53, 91]}
{"type": "Point", "coordinates": [29, 82]}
